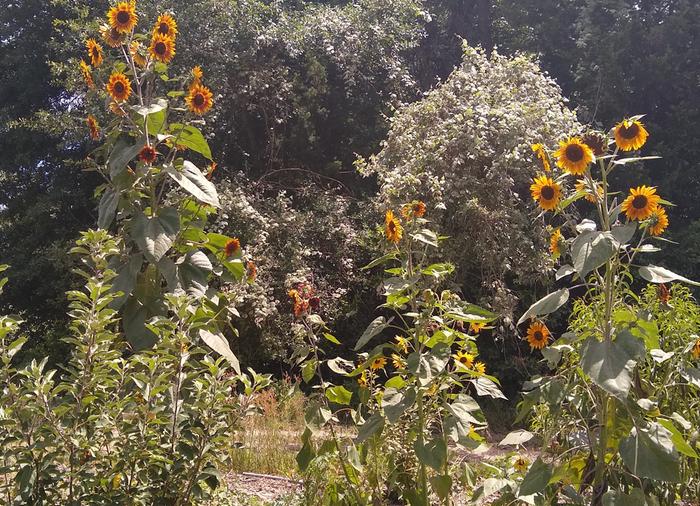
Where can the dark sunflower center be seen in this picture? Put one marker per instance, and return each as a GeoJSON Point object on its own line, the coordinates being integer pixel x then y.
{"type": "Point", "coordinates": [463, 360]}
{"type": "Point", "coordinates": [629, 132]}
{"type": "Point", "coordinates": [160, 48]}
{"type": "Point", "coordinates": [164, 28]}
{"type": "Point", "coordinates": [547, 192]}
{"type": "Point", "coordinates": [574, 153]}
{"type": "Point", "coordinates": [392, 225]}
{"type": "Point", "coordinates": [119, 87]}
{"type": "Point", "coordinates": [538, 336]}
{"type": "Point", "coordinates": [123, 17]}
{"type": "Point", "coordinates": [639, 202]}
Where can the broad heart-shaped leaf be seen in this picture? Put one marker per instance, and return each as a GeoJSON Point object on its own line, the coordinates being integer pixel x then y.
{"type": "Point", "coordinates": [546, 305]}
{"type": "Point", "coordinates": [487, 388]}
{"type": "Point", "coordinates": [656, 274]}
{"type": "Point", "coordinates": [126, 279]}
{"type": "Point", "coordinates": [193, 273]}
{"type": "Point", "coordinates": [154, 114]}
{"type": "Point", "coordinates": [635, 498]}
{"type": "Point", "coordinates": [395, 403]}
{"type": "Point", "coordinates": [426, 236]}
{"type": "Point", "coordinates": [610, 363]}
{"type": "Point", "coordinates": [339, 394]}
{"type": "Point", "coordinates": [536, 479]}
{"type": "Point", "coordinates": [466, 410]}
{"type": "Point", "coordinates": [125, 149]}
{"type": "Point", "coordinates": [517, 437]}
{"type": "Point", "coordinates": [649, 453]}
{"type": "Point", "coordinates": [219, 344]}
{"type": "Point", "coordinates": [590, 250]}
{"type": "Point", "coordinates": [442, 484]}
{"type": "Point", "coordinates": [306, 454]}
{"type": "Point", "coordinates": [154, 235]}
{"type": "Point", "coordinates": [373, 425]}
{"type": "Point", "coordinates": [375, 327]}
{"type": "Point", "coordinates": [677, 439]}
{"type": "Point", "coordinates": [624, 233]}
{"type": "Point", "coordinates": [192, 137]}
{"type": "Point", "coordinates": [433, 453]}
{"type": "Point", "coordinates": [191, 179]}
{"type": "Point", "coordinates": [134, 318]}
{"type": "Point", "coordinates": [316, 416]}
{"type": "Point", "coordinates": [107, 207]}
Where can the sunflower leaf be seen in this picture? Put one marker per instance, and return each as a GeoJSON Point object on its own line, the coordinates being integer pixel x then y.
{"type": "Point", "coordinates": [656, 274]}
{"type": "Point", "coordinates": [633, 159]}
{"type": "Point", "coordinates": [546, 305]}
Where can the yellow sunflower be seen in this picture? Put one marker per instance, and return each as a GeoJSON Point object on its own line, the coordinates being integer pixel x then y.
{"type": "Point", "coordinates": [112, 37]}
{"type": "Point", "coordinates": [87, 75]}
{"type": "Point", "coordinates": [166, 25]}
{"type": "Point", "coordinates": [135, 50]}
{"type": "Point", "coordinates": [573, 156]}
{"type": "Point", "coordinates": [555, 241]}
{"type": "Point", "coordinates": [546, 192]}
{"type": "Point", "coordinates": [476, 327]}
{"type": "Point", "coordinates": [94, 49]}
{"type": "Point", "coordinates": [94, 127]}
{"type": "Point", "coordinates": [199, 99]}
{"type": "Point", "coordinates": [392, 227]}
{"type": "Point", "coordinates": [537, 335]}
{"type": "Point", "coordinates": [233, 246]}
{"type": "Point", "coordinates": [402, 343]}
{"type": "Point", "coordinates": [521, 464]}
{"type": "Point", "coordinates": [630, 135]}
{"type": "Point", "coordinates": [362, 380]}
{"type": "Point", "coordinates": [695, 352]}
{"type": "Point", "coordinates": [197, 74]}
{"type": "Point", "coordinates": [378, 363]}
{"type": "Point", "coordinates": [119, 87]}
{"type": "Point", "coordinates": [582, 187]}
{"type": "Point", "coordinates": [480, 367]}
{"type": "Point", "coordinates": [397, 361]}
{"type": "Point", "coordinates": [466, 359]}
{"type": "Point", "coordinates": [658, 221]}
{"type": "Point", "coordinates": [148, 155]}
{"type": "Point", "coordinates": [162, 48]}
{"type": "Point", "coordinates": [540, 152]}
{"type": "Point", "coordinates": [415, 209]}
{"type": "Point", "coordinates": [641, 203]}
{"type": "Point", "coordinates": [122, 17]}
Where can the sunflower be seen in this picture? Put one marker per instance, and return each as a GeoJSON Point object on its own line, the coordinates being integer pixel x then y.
{"type": "Point", "coordinates": [116, 108]}
{"type": "Point", "coordinates": [197, 74]}
{"type": "Point", "coordinates": [573, 156]}
{"type": "Point", "coordinates": [148, 154]}
{"type": "Point", "coordinates": [480, 367]}
{"type": "Point", "coordinates": [252, 271]}
{"type": "Point", "coordinates": [232, 246]}
{"type": "Point", "coordinates": [555, 241]}
{"type": "Point", "coordinates": [476, 327]}
{"type": "Point", "coordinates": [166, 25]}
{"type": "Point", "coordinates": [415, 209]}
{"type": "Point", "coordinates": [597, 141]}
{"type": "Point", "coordinates": [545, 192]}
{"type": "Point", "coordinates": [521, 464]}
{"type": "Point", "coordinates": [162, 48]}
{"type": "Point", "coordinates": [582, 187]}
{"type": "Point", "coordinates": [695, 352]}
{"type": "Point", "coordinates": [641, 203]}
{"type": "Point", "coordinates": [111, 37]}
{"type": "Point", "coordinates": [378, 363]}
{"type": "Point", "coordinates": [87, 75]}
{"type": "Point", "coordinates": [119, 87]}
{"type": "Point", "coordinates": [402, 343]}
{"type": "Point", "coordinates": [540, 152]}
{"type": "Point", "coordinates": [135, 50]}
{"type": "Point", "coordinates": [630, 134]}
{"type": "Point", "coordinates": [537, 335]}
{"type": "Point", "coordinates": [94, 49]}
{"type": "Point", "coordinates": [392, 227]}
{"type": "Point", "coordinates": [397, 361]}
{"type": "Point", "coordinates": [93, 126]}
{"type": "Point", "coordinates": [362, 380]}
{"type": "Point", "coordinates": [466, 359]}
{"type": "Point", "coordinates": [122, 17]}
{"type": "Point", "coordinates": [658, 221]}
{"type": "Point", "coordinates": [199, 99]}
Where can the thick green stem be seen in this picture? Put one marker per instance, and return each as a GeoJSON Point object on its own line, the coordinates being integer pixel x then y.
{"type": "Point", "coordinates": [423, 474]}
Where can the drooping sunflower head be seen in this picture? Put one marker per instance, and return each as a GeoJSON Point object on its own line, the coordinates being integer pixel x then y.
{"type": "Point", "coordinates": [392, 227]}
{"type": "Point", "coordinates": [476, 327]}
{"type": "Point", "coordinates": [641, 203]}
{"type": "Point", "coordinates": [94, 50]}
{"type": "Point", "coordinates": [573, 156]}
{"type": "Point", "coordinates": [378, 363]}
{"type": "Point", "coordinates": [162, 48]}
{"type": "Point", "coordinates": [197, 74]}
{"type": "Point", "coordinates": [93, 126]}
{"type": "Point", "coordinates": [480, 367]}
{"type": "Point", "coordinates": [252, 271]}
{"type": "Point", "coordinates": [148, 155]}
{"type": "Point", "coordinates": [466, 359]}
{"type": "Point", "coordinates": [87, 74]}
{"type": "Point", "coordinates": [555, 243]}
{"type": "Point", "coordinates": [582, 186]}
{"type": "Point", "coordinates": [537, 335]}
{"type": "Point", "coordinates": [199, 99]}
{"type": "Point", "coordinates": [521, 464]}
{"type": "Point", "coordinates": [362, 380]}
{"type": "Point", "coordinates": [541, 154]}
{"type": "Point", "coordinates": [166, 25]}
{"type": "Point", "coordinates": [122, 17]}
{"type": "Point", "coordinates": [630, 134]}
{"type": "Point", "coordinates": [135, 50]}
{"type": "Point", "coordinates": [658, 221]}
{"type": "Point", "coordinates": [415, 209]}
{"type": "Point", "coordinates": [597, 141]}
{"type": "Point", "coordinates": [119, 87]}
{"type": "Point", "coordinates": [397, 361]}
{"type": "Point", "coordinates": [113, 38]}
{"type": "Point", "coordinates": [402, 343]}
{"type": "Point", "coordinates": [695, 352]}
{"type": "Point", "coordinates": [546, 192]}
{"type": "Point", "coordinates": [232, 247]}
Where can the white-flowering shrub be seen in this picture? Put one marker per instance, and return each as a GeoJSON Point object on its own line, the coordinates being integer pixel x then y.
{"type": "Point", "coordinates": [465, 149]}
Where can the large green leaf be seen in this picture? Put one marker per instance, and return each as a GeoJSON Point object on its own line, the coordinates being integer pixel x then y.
{"type": "Point", "coordinates": [155, 234]}
{"type": "Point", "coordinates": [339, 394]}
{"type": "Point", "coordinates": [592, 249]}
{"type": "Point", "coordinates": [536, 479]}
{"type": "Point", "coordinates": [433, 453]}
{"type": "Point", "coordinates": [546, 305]}
{"type": "Point", "coordinates": [677, 439]}
{"type": "Point", "coordinates": [373, 425]}
{"type": "Point", "coordinates": [154, 114]}
{"type": "Point", "coordinates": [617, 498]}
{"type": "Point", "coordinates": [656, 274]}
{"type": "Point", "coordinates": [107, 207]}
{"type": "Point", "coordinates": [219, 344]}
{"type": "Point", "coordinates": [192, 137]}
{"type": "Point", "coordinates": [395, 403]}
{"type": "Point", "coordinates": [191, 179]}
{"type": "Point", "coordinates": [375, 327]}
{"type": "Point", "coordinates": [126, 278]}
{"type": "Point", "coordinates": [193, 273]}
{"type": "Point", "coordinates": [125, 149]}
{"type": "Point", "coordinates": [610, 363]}
{"type": "Point", "coordinates": [649, 453]}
